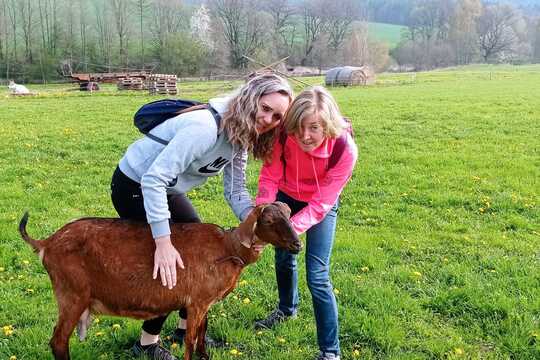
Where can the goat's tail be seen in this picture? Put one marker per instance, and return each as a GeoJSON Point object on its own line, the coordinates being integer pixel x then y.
{"type": "Point", "coordinates": [35, 244]}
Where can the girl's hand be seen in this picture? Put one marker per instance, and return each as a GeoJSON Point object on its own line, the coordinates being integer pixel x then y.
{"type": "Point", "coordinates": [166, 258]}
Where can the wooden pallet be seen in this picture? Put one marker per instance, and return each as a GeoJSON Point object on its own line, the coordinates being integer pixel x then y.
{"type": "Point", "coordinates": [162, 84]}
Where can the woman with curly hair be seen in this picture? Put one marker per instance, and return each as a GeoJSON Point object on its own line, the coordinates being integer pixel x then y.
{"type": "Point", "coordinates": [152, 179]}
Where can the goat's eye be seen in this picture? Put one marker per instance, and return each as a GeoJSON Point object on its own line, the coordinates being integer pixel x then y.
{"type": "Point", "coordinates": [265, 222]}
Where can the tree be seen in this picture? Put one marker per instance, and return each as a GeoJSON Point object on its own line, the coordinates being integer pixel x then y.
{"type": "Point", "coordinates": [495, 31]}
{"type": "Point", "coordinates": [142, 7]}
{"type": "Point", "coordinates": [166, 19]}
{"type": "Point", "coordinates": [25, 13]}
{"type": "Point", "coordinates": [120, 12]}
{"type": "Point", "coordinates": [340, 16]}
{"type": "Point", "coordinates": [315, 25]}
{"type": "Point", "coordinates": [283, 25]}
{"type": "Point", "coordinates": [243, 28]}
{"type": "Point", "coordinates": [463, 36]}
{"type": "Point", "coordinates": [201, 27]}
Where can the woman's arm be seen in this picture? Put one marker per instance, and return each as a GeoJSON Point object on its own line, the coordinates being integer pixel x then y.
{"type": "Point", "coordinates": [270, 176]}
{"type": "Point", "coordinates": [234, 186]}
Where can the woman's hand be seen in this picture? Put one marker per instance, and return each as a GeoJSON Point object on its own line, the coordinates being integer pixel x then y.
{"type": "Point", "coordinates": [165, 259]}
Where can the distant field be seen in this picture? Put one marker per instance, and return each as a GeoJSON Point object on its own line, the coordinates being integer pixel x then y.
{"type": "Point", "coordinates": [387, 33]}
{"type": "Point", "coordinates": [437, 253]}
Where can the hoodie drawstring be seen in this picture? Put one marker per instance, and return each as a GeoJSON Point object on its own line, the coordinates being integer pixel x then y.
{"type": "Point", "coordinates": [232, 173]}
{"type": "Point", "coordinates": [316, 178]}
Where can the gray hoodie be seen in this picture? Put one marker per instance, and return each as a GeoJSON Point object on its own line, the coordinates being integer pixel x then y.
{"type": "Point", "coordinates": [195, 152]}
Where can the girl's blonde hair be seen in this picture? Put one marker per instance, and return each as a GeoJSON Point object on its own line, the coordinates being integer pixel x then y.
{"type": "Point", "coordinates": [315, 101]}
{"type": "Point", "coordinates": [239, 121]}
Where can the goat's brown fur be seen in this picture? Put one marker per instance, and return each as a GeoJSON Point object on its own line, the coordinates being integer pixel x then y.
{"type": "Point", "coordinates": [104, 266]}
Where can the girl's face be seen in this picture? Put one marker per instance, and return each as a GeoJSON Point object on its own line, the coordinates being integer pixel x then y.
{"type": "Point", "coordinates": [311, 133]}
{"type": "Point", "coordinates": [271, 111]}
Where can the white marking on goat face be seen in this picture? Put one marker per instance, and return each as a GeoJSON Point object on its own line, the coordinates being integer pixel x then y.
{"type": "Point", "coordinates": [41, 255]}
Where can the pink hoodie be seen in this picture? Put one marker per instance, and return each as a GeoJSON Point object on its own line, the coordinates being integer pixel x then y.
{"type": "Point", "coordinates": [307, 178]}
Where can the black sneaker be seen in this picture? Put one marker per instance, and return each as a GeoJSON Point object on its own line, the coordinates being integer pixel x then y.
{"type": "Point", "coordinates": [152, 352]}
{"type": "Point", "coordinates": [275, 317]}
{"type": "Point", "coordinates": [178, 337]}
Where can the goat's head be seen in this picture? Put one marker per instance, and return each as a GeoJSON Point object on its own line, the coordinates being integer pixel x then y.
{"type": "Point", "coordinates": [270, 224]}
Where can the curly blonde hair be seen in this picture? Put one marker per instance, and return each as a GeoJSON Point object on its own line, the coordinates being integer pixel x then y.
{"type": "Point", "coordinates": [316, 100]}
{"type": "Point", "coordinates": [239, 121]}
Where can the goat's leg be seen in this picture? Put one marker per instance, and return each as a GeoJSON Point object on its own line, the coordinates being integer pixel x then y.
{"type": "Point", "coordinates": [201, 336]}
{"type": "Point", "coordinates": [194, 319]}
{"type": "Point", "coordinates": [69, 312]}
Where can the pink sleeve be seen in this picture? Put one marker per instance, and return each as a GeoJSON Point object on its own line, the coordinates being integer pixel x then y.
{"type": "Point", "coordinates": [271, 174]}
{"type": "Point", "coordinates": [330, 188]}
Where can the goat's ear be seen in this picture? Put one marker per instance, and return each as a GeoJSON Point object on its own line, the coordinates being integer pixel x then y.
{"type": "Point", "coordinates": [284, 207]}
{"type": "Point", "coordinates": [246, 229]}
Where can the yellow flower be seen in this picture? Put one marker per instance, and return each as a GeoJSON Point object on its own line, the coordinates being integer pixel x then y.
{"type": "Point", "coordinates": [365, 269]}
{"type": "Point", "coordinates": [12, 357]}
{"type": "Point", "coordinates": [174, 346]}
{"type": "Point", "coordinates": [100, 333]}
{"type": "Point", "coordinates": [29, 291]}
{"type": "Point", "coordinates": [242, 283]}
{"type": "Point", "coordinates": [96, 321]}
{"type": "Point", "coordinates": [246, 301]}
{"type": "Point", "coordinates": [26, 262]}
{"type": "Point", "coordinates": [234, 352]}
{"type": "Point", "coordinates": [2, 269]}
{"type": "Point", "coordinates": [259, 332]}
{"type": "Point", "coordinates": [459, 351]}
{"type": "Point", "coordinates": [445, 259]}
{"type": "Point", "coordinates": [356, 353]}
{"type": "Point", "coordinates": [281, 340]}
{"type": "Point", "coordinates": [417, 273]}
{"type": "Point", "coordinates": [8, 330]}
{"type": "Point", "coordinates": [535, 334]}
{"type": "Point", "coordinates": [116, 326]}
{"type": "Point", "coordinates": [336, 291]}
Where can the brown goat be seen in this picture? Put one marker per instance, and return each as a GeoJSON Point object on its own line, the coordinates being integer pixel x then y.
{"type": "Point", "coordinates": [104, 266]}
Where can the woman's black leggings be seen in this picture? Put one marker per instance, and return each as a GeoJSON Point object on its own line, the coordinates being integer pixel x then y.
{"type": "Point", "coordinates": [127, 199]}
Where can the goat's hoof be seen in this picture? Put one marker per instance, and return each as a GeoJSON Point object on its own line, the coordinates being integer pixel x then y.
{"type": "Point", "coordinates": [203, 356]}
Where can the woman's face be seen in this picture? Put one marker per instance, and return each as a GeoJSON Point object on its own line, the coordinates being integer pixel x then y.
{"type": "Point", "coordinates": [311, 133]}
{"type": "Point", "coordinates": [271, 111]}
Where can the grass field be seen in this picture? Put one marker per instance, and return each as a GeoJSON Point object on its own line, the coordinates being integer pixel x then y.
{"type": "Point", "coordinates": [438, 245]}
{"type": "Point", "coordinates": [387, 33]}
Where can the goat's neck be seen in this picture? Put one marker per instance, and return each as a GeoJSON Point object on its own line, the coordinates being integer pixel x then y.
{"type": "Point", "coordinates": [247, 255]}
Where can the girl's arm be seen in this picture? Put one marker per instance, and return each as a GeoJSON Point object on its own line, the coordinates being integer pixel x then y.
{"type": "Point", "coordinates": [330, 187]}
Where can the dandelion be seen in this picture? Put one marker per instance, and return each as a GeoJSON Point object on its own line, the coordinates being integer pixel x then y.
{"type": "Point", "coordinates": [535, 334]}
{"type": "Point", "coordinates": [29, 291]}
{"type": "Point", "coordinates": [234, 352]}
{"type": "Point", "coordinates": [246, 301]}
{"type": "Point", "coordinates": [100, 333]}
{"type": "Point", "coordinates": [26, 262]}
{"type": "Point", "coordinates": [174, 346]}
{"type": "Point", "coordinates": [96, 321]}
{"type": "Point", "coordinates": [356, 353]}
{"type": "Point", "coordinates": [445, 260]}
{"type": "Point", "coordinates": [364, 269]}
{"type": "Point", "coordinates": [259, 332]}
{"type": "Point", "coordinates": [8, 330]}
{"type": "Point", "coordinates": [417, 273]}
{"type": "Point", "coordinates": [281, 340]}
{"type": "Point", "coordinates": [243, 283]}
{"type": "Point", "coordinates": [116, 327]}
{"type": "Point", "coordinates": [12, 357]}
{"type": "Point", "coordinates": [336, 291]}
{"type": "Point", "coordinates": [476, 178]}
{"type": "Point", "coordinates": [482, 210]}
{"type": "Point", "coordinates": [459, 351]}
{"type": "Point", "coordinates": [2, 269]}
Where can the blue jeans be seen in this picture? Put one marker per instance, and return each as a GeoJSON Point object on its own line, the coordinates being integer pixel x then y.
{"type": "Point", "coordinates": [319, 242]}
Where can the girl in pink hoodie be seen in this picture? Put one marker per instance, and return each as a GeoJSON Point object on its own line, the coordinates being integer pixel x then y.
{"type": "Point", "coordinates": [308, 170]}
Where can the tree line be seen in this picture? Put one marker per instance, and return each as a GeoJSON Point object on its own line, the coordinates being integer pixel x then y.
{"type": "Point", "coordinates": [199, 38]}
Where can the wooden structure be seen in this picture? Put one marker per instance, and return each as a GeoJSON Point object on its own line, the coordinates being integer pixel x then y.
{"type": "Point", "coordinates": [162, 84]}
{"type": "Point", "coordinates": [350, 75]}
{"type": "Point", "coordinates": [131, 84]}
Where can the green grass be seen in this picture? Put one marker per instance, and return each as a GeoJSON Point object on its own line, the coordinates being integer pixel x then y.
{"type": "Point", "coordinates": [438, 244]}
{"type": "Point", "coordinates": [386, 33]}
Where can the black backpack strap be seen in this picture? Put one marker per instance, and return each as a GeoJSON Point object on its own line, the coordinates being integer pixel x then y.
{"type": "Point", "coordinates": [215, 114]}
